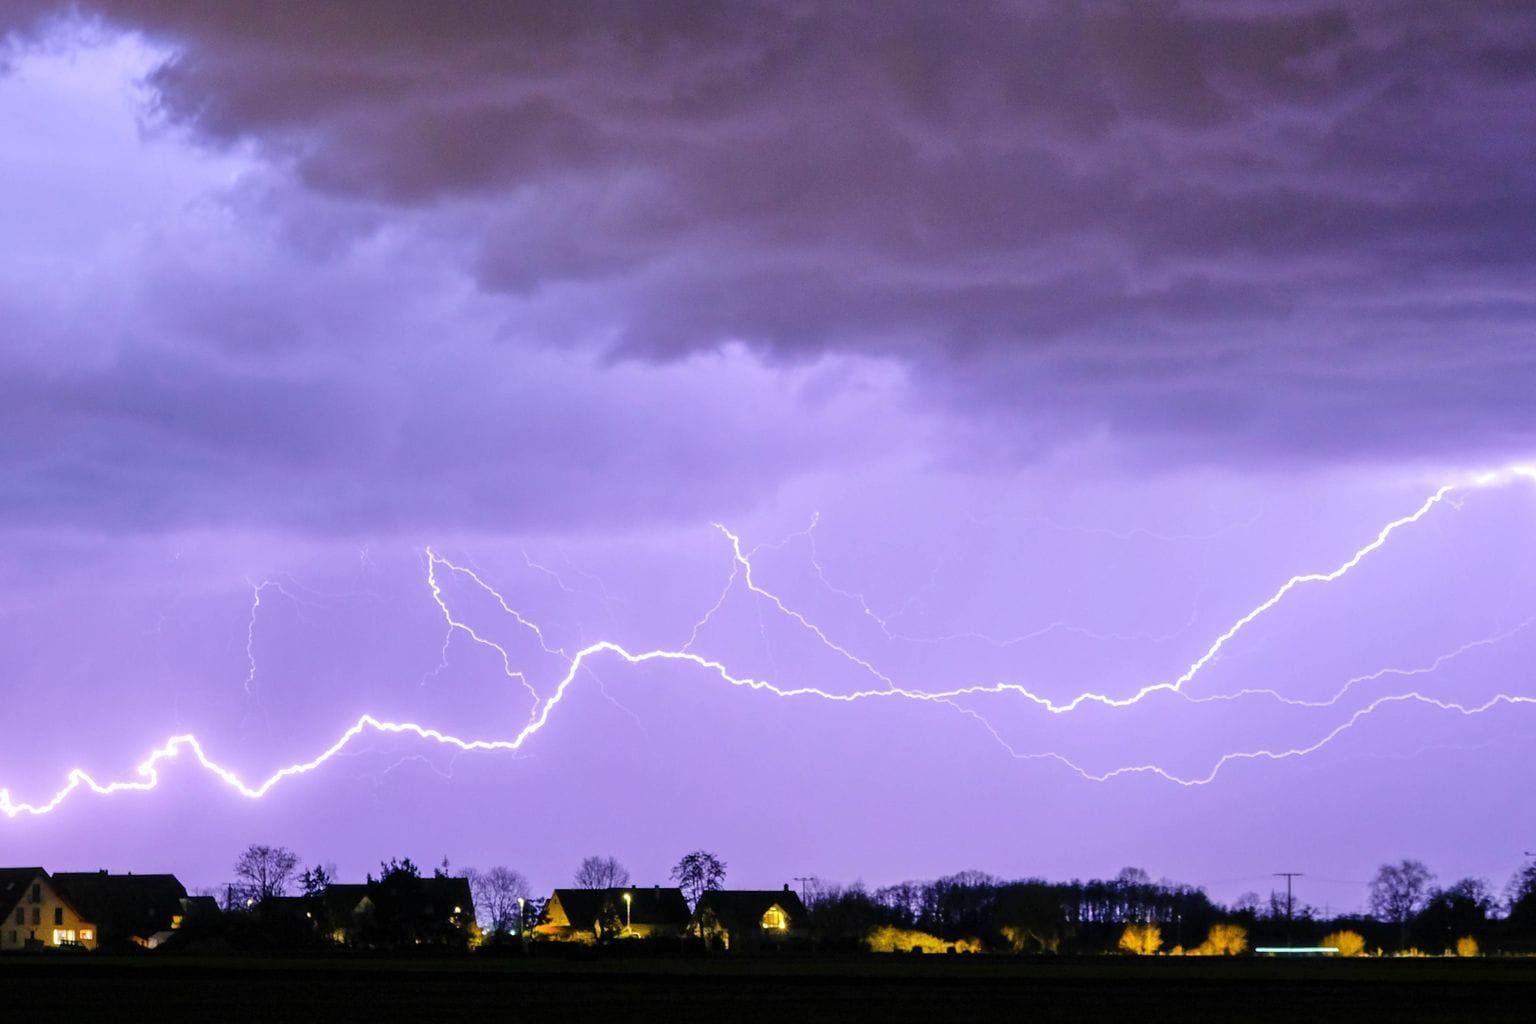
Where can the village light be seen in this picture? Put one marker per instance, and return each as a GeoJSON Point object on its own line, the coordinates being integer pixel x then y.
{"type": "Point", "coordinates": [627, 925]}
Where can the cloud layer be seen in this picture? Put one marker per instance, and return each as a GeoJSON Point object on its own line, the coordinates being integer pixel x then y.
{"type": "Point", "coordinates": [1194, 231]}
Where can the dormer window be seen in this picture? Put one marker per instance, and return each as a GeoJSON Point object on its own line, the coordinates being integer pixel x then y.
{"type": "Point", "coordinates": [775, 918]}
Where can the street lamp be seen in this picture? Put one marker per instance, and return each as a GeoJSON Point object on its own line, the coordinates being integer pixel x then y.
{"type": "Point", "coordinates": [626, 913]}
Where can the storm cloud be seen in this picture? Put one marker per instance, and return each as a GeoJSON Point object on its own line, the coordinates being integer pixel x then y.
{"type": "Point", "coordinates": [1209, 205]}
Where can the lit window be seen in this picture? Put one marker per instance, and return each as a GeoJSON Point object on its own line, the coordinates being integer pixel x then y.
{"type": "Point", "coordinates": [63, 935]}
{"type": "Point", "coordinates": [776, 919]}
{"type": "Point", "coordinates": [86, 934]}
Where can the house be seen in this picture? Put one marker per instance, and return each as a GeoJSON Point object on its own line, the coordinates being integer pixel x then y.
{"type": "Point", "coordinates": [348, 912]}
{"type": "Point", "coordinates": [37, 914]}
{"type": "Point", "coordinates": [749, 919]}
{"type": "Point", "coordinates": [587, 915]}
{"type": "Point", "coordinates": [402, 910]}
{"type": "Point", "coordinates": [139, 910]}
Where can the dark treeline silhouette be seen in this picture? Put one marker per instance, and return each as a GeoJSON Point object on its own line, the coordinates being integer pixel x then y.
{"type": "Point", "coordinates": [276, 905]}
{"type": "Point", "coordinates": [1409, 913]}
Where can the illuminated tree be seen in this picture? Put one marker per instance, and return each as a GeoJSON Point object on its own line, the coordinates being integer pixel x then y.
{"type": "Point", "coordinates": [890, 939]}
{"type": "Point", "coordinates": [1346, 942]}
{"type": "Point", "coordinates": [264, 872]}
{"type": "Point", "coordinates": [601, 873]}
{"type": "Point", "coordinates": [497, 893]}
{"type": "Point", "coordinates": [1399, 890]}
{"type": "Point", "coordinates": [697, 873]}
{"type": "Point", "coordinates": [1467, 946]}
{"type": "Point", "coordinates": [1140, 938]}
{"type": "Point", "coordinates": [1225, 940]}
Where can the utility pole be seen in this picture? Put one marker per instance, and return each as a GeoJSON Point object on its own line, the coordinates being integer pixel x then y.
{"type": "Point", "coordinates": [802, 879]}
{"type": "Point", "coordinates": [1288, 875]}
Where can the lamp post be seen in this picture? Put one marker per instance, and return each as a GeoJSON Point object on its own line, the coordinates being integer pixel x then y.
{"type": "Point", "coordinates": [627, 926]}
{"type": "Point", "coordinates": [522, 922]}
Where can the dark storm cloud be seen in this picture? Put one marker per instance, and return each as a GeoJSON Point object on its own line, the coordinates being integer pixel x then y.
{"type": "Point", "coordinates": [992, 192]}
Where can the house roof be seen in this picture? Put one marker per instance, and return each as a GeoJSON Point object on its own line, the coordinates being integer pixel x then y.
{"type": "Point", "coordinates": [14, 883]}
{"type": "Point", "coordinates": [438, 895]}
{"type": "Point", "coordinates": [442, 893]}
{"type": "Point", "coordinates": [741, 908]}
{"type": "Point", "coordinates": [648, 906]}
{"type": "Point", "coordinates": [342, 899]}
{"type": "Point", "coordinates": [121, 905]}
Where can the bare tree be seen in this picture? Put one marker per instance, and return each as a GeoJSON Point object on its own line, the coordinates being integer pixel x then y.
{"type": "Point", "coordinates": [498, 893]}
{"type": "Point", "coordinates": [1398, 892]}
{"type": "Point", "coordinates": [264, 872]}
{"type": "Point", "coordinates": [601, 873]}
{"type": "Point", "coordinates": [697, 873]}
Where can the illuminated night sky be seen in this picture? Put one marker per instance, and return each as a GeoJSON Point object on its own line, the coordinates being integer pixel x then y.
{"type": "Point", "coordinates": [865, 441]}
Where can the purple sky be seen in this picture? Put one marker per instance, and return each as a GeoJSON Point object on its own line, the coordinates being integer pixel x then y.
{"type": "Point", "coordinates": [1026, 348]}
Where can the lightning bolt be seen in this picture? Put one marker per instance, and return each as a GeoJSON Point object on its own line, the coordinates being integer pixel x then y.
{"type": "Point", "coordinates": [147, 774]}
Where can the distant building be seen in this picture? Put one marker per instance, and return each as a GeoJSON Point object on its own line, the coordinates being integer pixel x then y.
{"type": "Point", "coordinates": [141, 910]}
{"type": "Point", "coordinates": [38, 915]}
{"type": "Point", "coordinates": [348, 913]}
{"type": "Point", "coordinates": [749, 919]}
{"type": "Point", "coordinates": [401, 911]}
{"type": "Point", "coordinates": [587, 915]}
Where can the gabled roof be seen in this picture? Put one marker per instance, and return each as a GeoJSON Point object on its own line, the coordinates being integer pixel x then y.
{"type": "Point", "coordinates": [743, 908]}
{"type": "Point", "coordinates": [342, 899]}
{"type": "Point", "coordinates": [441, 893]}
{"type": "Point", "coordinates": [652, 907]}
{"type": "Point", "coordinates": [123, 905]}
{"type": "Point", "coordinates": [13, 885]}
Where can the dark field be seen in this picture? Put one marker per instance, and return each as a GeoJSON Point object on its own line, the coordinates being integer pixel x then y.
{"type": "Point", "coordinates": [900, 988]}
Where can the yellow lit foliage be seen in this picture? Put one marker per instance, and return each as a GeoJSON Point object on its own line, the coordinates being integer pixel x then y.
{"type": "Point", "coordinates": [1223, 940]}
{"type": "Point", "coordinates": [1141, 939]}
{"type": "Point", "coordinates": [889, 939]}
{"type": "Point", "coordinates": [1467, 946]}
{"type": "Point", "coordinates": [1347, 943]}
{"type": "Point", "coordinates": [1018, 939]}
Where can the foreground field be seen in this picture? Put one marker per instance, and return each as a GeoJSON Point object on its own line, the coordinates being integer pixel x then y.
{"type": "Point", "coordinates": [901, 988]}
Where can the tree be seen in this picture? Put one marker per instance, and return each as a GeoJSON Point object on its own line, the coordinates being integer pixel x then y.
{"type": "Point", "coordinates": [264, 872]}
{"type": "Point", "coordinates": [1521, 894]}
{"type": "Point", "coordinates": [1346, 942]}
{"type": "Point", "coordinates": [498, 894]}
{"type": "Point", "coordinates": [1225, 939]}
{"type": "Point", "coordinates": [1459, 910]}
{"type": "Point", "coordinates": [697, 873]}
{"type": "Point", "coordinates": [314, 881]}
{"type": "Point", "coordinates": [1141, 939]}
{"type": "Point", "coordinates": [601, 873]}
{"type": "Point", "coordinates": [1399, 890]}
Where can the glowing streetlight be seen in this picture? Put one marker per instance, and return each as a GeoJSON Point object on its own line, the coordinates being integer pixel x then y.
{"type": "Point", "coordinates": [627, 927]}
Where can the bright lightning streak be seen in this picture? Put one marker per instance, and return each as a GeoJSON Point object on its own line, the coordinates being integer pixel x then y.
{"type": "Point", "coordinates": [148, 772]}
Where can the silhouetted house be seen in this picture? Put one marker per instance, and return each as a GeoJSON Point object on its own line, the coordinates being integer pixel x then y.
{"type": "Point", "coordinates": [37, 914]}
{"type": "Point", "coordinates": [141, 910]}
{"type": "Point", "coordinates": [587, 915]}
{"type": "Point", "coordinates": [348, 913]}
{"type": "Point", "coordinates": [401, 910]}
{"type": "Point", "coordinates": [749, 919]}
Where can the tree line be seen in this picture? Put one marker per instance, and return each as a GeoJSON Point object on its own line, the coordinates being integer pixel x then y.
{"type": "Point", "coordinates": [970, 910]}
